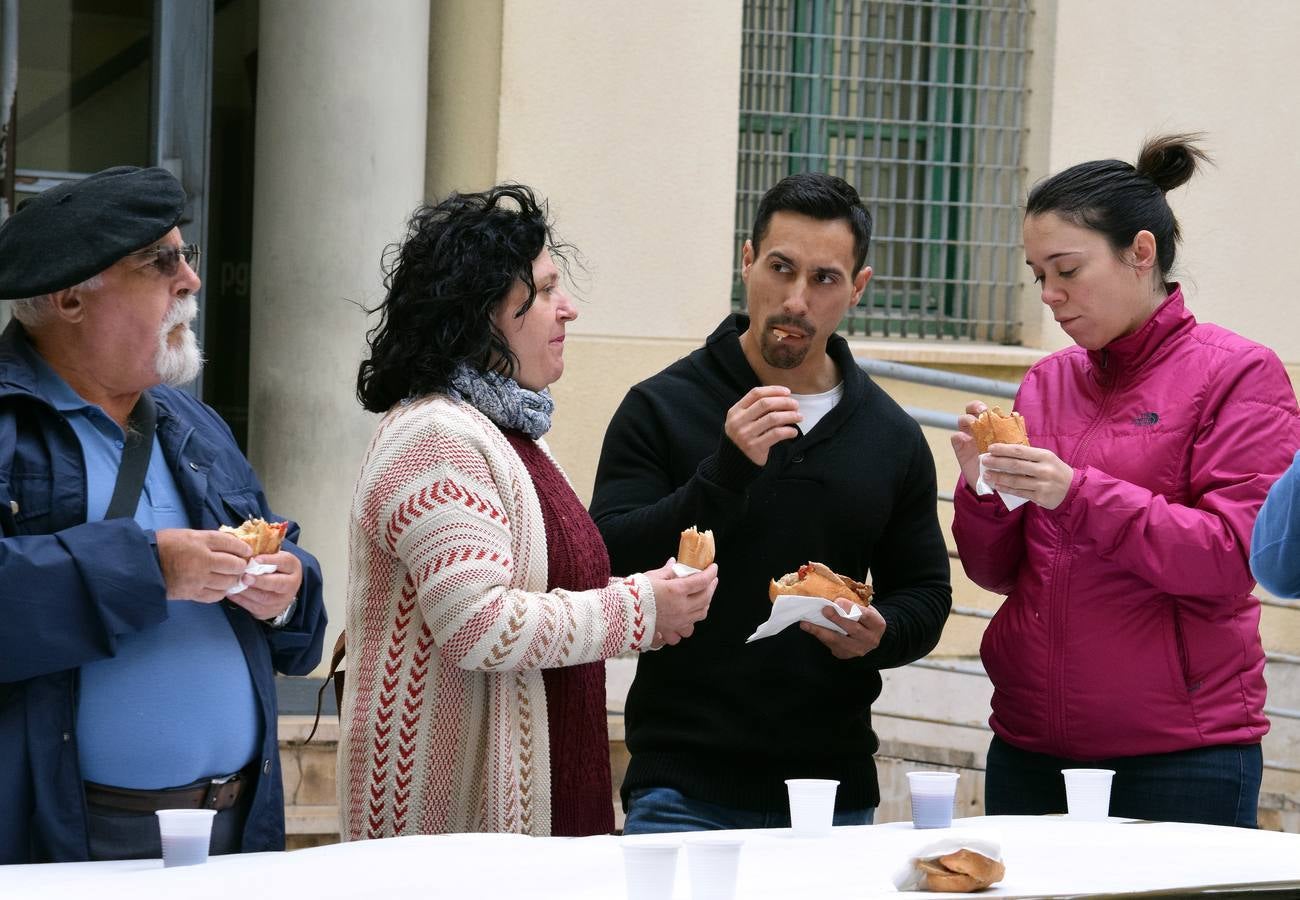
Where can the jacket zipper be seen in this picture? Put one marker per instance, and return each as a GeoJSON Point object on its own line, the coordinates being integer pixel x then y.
{"type": "Point", "coordinates": [1060, 598]}
{"type": "Point", "coordinates": [1180, 643]}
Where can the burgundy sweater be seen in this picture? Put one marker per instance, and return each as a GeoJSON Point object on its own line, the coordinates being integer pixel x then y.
{"type": "Point", "coordinates": [581, 792]}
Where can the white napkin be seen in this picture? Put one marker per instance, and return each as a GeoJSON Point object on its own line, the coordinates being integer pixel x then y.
{"type": "Point", "coordinates": [253, 568]}
{"type": "Point", "coordinates": [1011, 500]}
{"type": "Point", "coordinates": [789, 609]}
{"type": "Point", "coordinates": [910, 878]}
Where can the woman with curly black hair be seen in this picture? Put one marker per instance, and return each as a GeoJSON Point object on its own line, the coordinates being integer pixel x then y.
{"type": "Point", "coordinates": [480, 604]}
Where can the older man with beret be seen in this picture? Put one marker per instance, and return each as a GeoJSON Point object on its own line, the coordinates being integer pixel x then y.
{"type": "Point", "coordinates": [137, 651]}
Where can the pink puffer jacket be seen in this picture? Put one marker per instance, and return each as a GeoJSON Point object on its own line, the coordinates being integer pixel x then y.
{"type": "Point", "coordinates": [1129, 626]}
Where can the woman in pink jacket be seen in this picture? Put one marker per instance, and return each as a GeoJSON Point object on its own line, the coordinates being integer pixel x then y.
{"type": "Point", "coordinates": [1129, 638]}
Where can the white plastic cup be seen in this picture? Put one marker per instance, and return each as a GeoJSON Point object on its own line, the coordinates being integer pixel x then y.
{"type": "Point", "coordinates": [713, 864]}
{"type": "Point", "coordinates": [812, 805]}
{"type": "Point", "coordinates": [934, 794]}
{"type": "Point", "coordinates": [186, 835]}
{"type": "Point", "coordinates": [650, 869]}
{"type": "Point", "coordinates": [1087, 793]}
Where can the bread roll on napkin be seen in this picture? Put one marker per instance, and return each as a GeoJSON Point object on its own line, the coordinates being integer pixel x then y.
{"type": "Point", "coordinates": [958, 864]}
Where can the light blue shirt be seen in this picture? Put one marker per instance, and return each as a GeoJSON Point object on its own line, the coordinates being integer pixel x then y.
{"type": "Point", "coordinates": [175, 703]}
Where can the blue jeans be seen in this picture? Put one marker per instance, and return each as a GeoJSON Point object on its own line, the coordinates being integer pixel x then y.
{"type": "Point", "coordinates": [1209, 785]}
{"type": "Point", "coordinates": [653, 810]}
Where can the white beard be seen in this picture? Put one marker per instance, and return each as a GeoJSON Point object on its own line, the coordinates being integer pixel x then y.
{"type": "Point", "coordinates": [181, 364]}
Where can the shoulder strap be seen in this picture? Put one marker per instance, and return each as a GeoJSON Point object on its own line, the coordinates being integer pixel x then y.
{"type": "Point", "coordinates": [340, 650]}
{"type": "Point", "coordinates": [136, 451]}
{"type": "Point", "coordinates": [8, 447]}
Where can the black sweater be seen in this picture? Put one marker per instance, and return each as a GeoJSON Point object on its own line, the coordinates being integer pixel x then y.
{"type": "Point", "coordinates": [713, 717]}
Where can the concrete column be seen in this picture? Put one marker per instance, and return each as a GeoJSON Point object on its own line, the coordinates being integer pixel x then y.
{"type": "Point", "coordinates": [464, 95]}
{"type": "Point", "coordinates": [340, 159]}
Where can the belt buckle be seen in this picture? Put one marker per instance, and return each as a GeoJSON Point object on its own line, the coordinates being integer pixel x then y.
{"type": "Point", "coordinates": [213, 793]}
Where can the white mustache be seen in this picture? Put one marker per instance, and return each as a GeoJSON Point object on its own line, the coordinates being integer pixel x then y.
{"type": "Point", "coordinates": [183, 312]}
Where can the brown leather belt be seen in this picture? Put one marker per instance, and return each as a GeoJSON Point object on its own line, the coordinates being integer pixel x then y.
{"type": "Point", "coordinates": [215, 793]}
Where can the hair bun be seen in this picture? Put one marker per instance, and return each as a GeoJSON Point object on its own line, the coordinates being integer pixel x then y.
{"type": "Point", "coordinates": [1170, 160]}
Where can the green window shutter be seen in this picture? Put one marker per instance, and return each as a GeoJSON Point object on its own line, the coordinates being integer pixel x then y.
{"type": "Point", "coordinates": [918, 104]}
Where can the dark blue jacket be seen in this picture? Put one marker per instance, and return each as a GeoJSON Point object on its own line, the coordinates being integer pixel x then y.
{"type": "Point", "coordinates": [69, 589]}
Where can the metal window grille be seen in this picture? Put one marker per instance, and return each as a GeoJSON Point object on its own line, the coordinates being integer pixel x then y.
{"type": "Point", "coordinates": [919, 105]}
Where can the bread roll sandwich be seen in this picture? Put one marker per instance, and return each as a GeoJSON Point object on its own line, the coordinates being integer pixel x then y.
{"type": "Point", "coordinates": [960, 872]}
{"type": "Point", "coordinates": [993, 427]}
{"type": "Point", "coordinates": [261, 536]}
{"type": "Point", "coordinates": [817, 580]}
{"type": "Point", "coordinates": [695, 548]}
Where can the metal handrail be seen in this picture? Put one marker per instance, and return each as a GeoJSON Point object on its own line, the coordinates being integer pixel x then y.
{"type": "Point", "coordinates": [956, 667]}
{"type": "Point", "coordinates": [972, 384]}
{"type": "Point", "coordinates": [946, 421]}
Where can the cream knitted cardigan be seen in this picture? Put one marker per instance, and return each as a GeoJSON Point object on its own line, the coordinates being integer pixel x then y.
{"type": "Point", "coordinates": [443, 726]}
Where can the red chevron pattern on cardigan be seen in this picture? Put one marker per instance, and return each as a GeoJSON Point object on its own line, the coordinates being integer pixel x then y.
{"type": "Point", "coordinates": [429, 499]}
{"type": "Point", "coordinates": [449, 625]}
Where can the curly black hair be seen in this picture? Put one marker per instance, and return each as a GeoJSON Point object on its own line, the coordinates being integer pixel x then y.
{"type": "Point", "coordinates": [459, 259]}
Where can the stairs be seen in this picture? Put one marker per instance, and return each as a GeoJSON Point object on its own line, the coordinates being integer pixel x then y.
{"type": "Point", "coordinates": [310, 796]}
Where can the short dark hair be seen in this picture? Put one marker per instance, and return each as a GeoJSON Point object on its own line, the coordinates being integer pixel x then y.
{"type": "Point", "coordinates": [459, 260]}
{"type": "Point", "coordinates": [818, 196]}
{"type": "Point", "coordinates": [1119, 200]}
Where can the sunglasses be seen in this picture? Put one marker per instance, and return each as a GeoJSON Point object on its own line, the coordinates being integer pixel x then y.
{"type": "Point", "coordinates": [167, 259]}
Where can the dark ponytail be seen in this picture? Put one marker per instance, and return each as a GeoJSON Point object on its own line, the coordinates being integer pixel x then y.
{"type": "Point", "coordinates": [1119, 200]}
{"type": "Point", "coordinates": [1170, 161]}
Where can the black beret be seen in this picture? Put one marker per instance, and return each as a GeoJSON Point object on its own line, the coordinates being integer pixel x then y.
{"type": "Point", "coordinates": [65, 235]}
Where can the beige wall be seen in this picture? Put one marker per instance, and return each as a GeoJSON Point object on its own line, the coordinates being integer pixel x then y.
{"type": "Point", "coordinates": [627, 120]}
{"type": "Point", "coordinates": [628, 123]}
{"type": "Point", "coordinates": [464, 95]}
{"type": "Point", "coordinates": [1037, 149]}
{"type": "Point", "coordinates": [1124, 71]}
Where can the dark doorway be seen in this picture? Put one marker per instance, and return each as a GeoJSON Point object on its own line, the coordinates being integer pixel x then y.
{"type": "Point", "coordinates": [155, 82]}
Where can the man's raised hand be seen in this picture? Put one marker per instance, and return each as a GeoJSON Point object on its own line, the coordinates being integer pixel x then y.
{"type": "Point", "coordinates": [765, 416]}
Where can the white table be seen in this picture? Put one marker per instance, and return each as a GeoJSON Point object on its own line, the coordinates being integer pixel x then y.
{"type": "Point", "coordinates": [1048, 856]}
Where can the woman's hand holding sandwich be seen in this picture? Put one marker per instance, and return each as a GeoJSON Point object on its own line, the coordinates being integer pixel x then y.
{"type": "Point", "coordinates": [680, 601]}
{"type": "Point", "coordinates": [1030, 472]}
{"type": "Point", "coordinates": [1011, 466]}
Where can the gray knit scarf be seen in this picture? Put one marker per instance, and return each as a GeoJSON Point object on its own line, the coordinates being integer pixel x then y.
{"type": "Point", "coordinates": [503, 401]}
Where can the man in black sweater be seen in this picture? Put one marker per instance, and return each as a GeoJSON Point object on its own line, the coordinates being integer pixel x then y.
{"type": "Point", "coordinates": [772, 436]}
